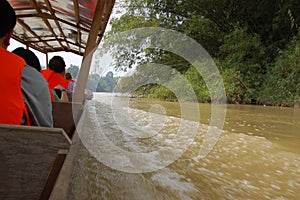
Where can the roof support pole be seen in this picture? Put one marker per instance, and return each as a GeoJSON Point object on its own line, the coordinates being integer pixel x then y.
{"type": "Point", "coordinates": [47, 58]}
{"type": "Point", "coordinates": [88, 54]}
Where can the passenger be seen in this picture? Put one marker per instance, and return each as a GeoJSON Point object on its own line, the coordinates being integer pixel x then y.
{"type": "Point", "coordinates": [55, 78]}
{"type": "Point", "coordinates": [69, 77]}
{"type": "Point", "coordinates": [35, 97]}
{"type": "Point", "coordinates": [30, 58]}
{"type": "Point", "coordinates": [71, 88]}
{"type": "Point", "coordinates": [26, 101]}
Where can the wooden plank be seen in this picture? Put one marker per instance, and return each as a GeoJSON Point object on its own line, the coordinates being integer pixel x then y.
{"type": "Point", "coordinates": [56, 167]}
{"type": "Point", "coordinates": [27, 155]}
{"type": "Point", "coordinates": [66, 116]}
{"type": "Point", "coordinates": [62, 185]}
{"type": "Point", "coordinates": [87, 58]}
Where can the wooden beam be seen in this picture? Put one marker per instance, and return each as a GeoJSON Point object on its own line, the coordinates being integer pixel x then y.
{"type": "Point", "coordinates": [87, 58]}
{"type": "Point", "coordinates": [37, 41]}
{"type": "Point", "coordinates": [95, 28]}
{"type": "Point", "coordinates": [26, 27]}
{"type": "Point", "coordinates": [63, 183]}
{"type": "Point", "coordinates": [37, 8]}
{"type": "Point", "coordinates": [56, 22]}
{"type": "Point", "coordinates": [76, 9]}
{"type": "Point", "coordinates": [47, 61]}
{"type": "Point", "coordinates": [54, 172]}
{"type": "Point", "coordinates": [73, 25]}
{"type": "Point", "coordinates": [53, 40]}
{"type": "Point", "coordinates": [109, 7]}
{"type": "Point", "coordinates": [41, 15]}
{"type": "Point", "coordinates": [81, 26]}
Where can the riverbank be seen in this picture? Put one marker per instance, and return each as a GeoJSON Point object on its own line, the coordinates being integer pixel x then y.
{"type": "Point", "coordinates": [139, 95]}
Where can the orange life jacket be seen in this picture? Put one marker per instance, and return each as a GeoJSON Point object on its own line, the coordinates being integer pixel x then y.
{"type": "Point", "coordinates": [53, 78]}
{"type": "Point", "coordinates": [12, 105]}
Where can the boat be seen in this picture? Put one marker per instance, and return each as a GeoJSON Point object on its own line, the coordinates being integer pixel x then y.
{"type": "Point", "coordinates": [37, 162]}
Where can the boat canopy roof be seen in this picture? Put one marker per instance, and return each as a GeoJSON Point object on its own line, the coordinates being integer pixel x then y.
{"type": "Point", "coordinates": [61, 25]}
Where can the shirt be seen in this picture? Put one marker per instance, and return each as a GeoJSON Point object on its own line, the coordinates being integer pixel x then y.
{"type": "Point", "coordinates": [36, 95]}
{"type": "Point", "coordinates": [54, 79]}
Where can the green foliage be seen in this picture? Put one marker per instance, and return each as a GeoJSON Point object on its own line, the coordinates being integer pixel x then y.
{"type": "Point", "coordinates": [163, 93]}
{"type": "Point", "coordinates": [73, 70]}
{"type": "Point", "coordinates": [282, 85]}
{"type": "Point", "coordinates": [242, 58]}
{"type": "Point", "coordinates": [92, 82]}
{"type": "Point", "coordinates": [144, 76]}
{"type": "Point", "coordinates": [198, 84]}
{"type": "Point", "coordinates": [177, 89]}
{"type": "Point", "coordinates": [124, 85]}
{"type": "Point", "coordinates": [233, 89]}
{"type": "Point", "coordinates": [107, 83]}
{"type": "Point", "coordinates": [209, 35]}
{"type": "Point", "coordinates": [251, 41]}
{"type": "Point", "coordinates": [173, 87]}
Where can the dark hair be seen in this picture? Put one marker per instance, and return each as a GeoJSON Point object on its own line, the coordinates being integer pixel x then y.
{"type": "Point", "coordinates": [30, 58]}
{"type": "Point", "coordinates": [57, 64]}
{"type": "Point", "coordinates": [68, 76]}
{"type": "Point", "coordinates": [8, 18]}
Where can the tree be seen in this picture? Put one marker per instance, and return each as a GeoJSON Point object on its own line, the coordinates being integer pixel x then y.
{"type": "Point", "coordinates": [92, 82]}
{"type": "Point", "coordinates": [244, 37]}
{"type": "Point", "coordinates": [107, 83]}
{"type": "Point", "coordinates": [73, 70]}
{"type": "Point", "coordinates": [282, 85]}
{"type": "Point", "coordinates": [242, 54]}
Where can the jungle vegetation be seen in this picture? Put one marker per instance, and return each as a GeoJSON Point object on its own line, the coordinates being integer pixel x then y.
{"type": "Point", "coordinates": [255, 45]}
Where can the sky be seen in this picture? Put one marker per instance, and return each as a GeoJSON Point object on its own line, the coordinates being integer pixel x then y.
{"type": "Point", "coordinates": [70, 58]}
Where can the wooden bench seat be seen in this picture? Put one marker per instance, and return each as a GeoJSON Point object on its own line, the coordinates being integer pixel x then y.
{"type": "Point", "coordinates": [30, 160]}
{"type": "Point", "coordinates": [66, 116]}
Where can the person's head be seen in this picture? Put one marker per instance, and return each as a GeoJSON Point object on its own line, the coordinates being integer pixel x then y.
{"type": "Point", "coordinates": [68, 76]}
{"type": "Point", "coordinates": [7, 22]}
{"type": "Point", "coordinates": [30, 58]}
{"type": "Point", "coordinates": [57, 64]}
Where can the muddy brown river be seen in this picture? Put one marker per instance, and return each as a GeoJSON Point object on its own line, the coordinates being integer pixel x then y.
{"type": "Point", "coordinates": [137, 149]}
